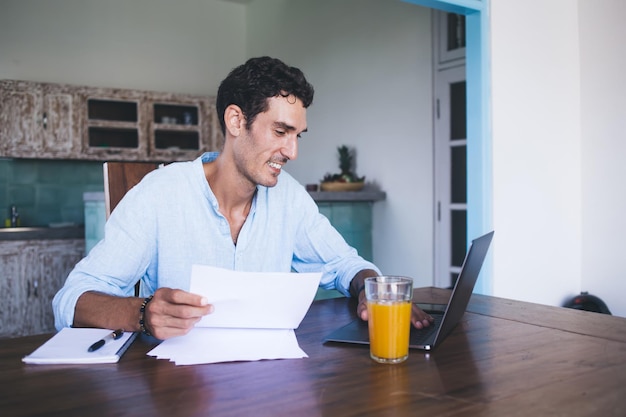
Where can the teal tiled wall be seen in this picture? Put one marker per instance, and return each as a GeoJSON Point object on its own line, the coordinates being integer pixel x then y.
{"type": "Point", "coordinates": [47, 191]}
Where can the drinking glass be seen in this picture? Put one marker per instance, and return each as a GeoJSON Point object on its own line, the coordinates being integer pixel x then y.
{"type": "Point", "coordinates": [389, 317]}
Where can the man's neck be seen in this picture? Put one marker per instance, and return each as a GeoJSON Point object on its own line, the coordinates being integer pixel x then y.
{"type": "Point", "coordinates": [233, 195]}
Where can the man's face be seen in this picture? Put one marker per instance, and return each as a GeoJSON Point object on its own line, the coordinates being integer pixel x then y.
{"type": "Point", "coordinates": [271, 141]}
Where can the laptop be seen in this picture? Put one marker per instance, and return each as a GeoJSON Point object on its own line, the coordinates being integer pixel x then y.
{"type": "Point", "coordinates": [445, 320]}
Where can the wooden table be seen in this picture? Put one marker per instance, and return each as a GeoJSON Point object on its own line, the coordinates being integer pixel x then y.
{"type": "Point", "coordinates": [506, 358]}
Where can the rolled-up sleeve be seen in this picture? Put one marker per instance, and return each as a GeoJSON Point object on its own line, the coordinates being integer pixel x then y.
{"type": "Point", "coordinates": [320, 247]}
{"type": "Point", "coordinates": [116, 263]}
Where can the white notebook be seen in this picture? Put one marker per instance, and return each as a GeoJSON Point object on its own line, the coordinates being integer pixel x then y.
{"type": "Point", "coordinates": [70, 346]}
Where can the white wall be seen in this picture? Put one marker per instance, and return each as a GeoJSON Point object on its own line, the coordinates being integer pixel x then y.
{"type": "Point", "coordinates": [536, 150]}
{"type": "Point", "coordinates": [558, 123]}
{"type": "Point", "coordinates": [370, 64]}
{"type": "Point", "coordinates": [603, 122]}
{"type": "Point", "coordinates": [156, 45]}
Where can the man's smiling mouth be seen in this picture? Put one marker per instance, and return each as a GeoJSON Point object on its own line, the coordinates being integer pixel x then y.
{"type": "Point", "coordinates": [275, 165]}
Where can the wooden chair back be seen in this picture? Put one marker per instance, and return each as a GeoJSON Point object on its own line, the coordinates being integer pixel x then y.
{"type": "Point", "coordinates": [119, 177]}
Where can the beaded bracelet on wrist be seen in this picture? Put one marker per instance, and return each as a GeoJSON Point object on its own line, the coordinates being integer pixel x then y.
{"type": "Point", "coordinates": [142, 314]}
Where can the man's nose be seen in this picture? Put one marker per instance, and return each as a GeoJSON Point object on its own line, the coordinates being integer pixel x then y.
{"type": "Point", "coordinates": [290, 150]}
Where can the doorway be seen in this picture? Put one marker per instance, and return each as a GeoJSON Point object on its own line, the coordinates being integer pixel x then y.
{"type": "Point", "coordinates": [450, 147]}
{"type": "Point", "coordinates": [479, 159]}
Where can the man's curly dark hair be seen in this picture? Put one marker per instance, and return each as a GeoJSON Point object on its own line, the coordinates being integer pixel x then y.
{"type": "Point", "coordinates": [251, 84]}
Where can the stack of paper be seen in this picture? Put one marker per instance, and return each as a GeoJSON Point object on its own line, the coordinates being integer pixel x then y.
{"type": "Point", "coordinates": [254, 317]}
{"type": "Point", "coordinates": [211, 345]}
{"type": "Point", "coordinates": [71, 345]}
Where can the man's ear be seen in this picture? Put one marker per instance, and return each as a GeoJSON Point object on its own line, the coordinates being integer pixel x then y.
{"type": "Point", "coordinates": [234, 119]}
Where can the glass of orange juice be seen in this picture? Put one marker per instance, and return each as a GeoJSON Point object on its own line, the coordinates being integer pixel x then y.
{"type": "Point", "coordinates": [389, 317]}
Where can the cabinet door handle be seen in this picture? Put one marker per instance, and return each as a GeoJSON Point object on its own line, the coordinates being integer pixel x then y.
{"type": "Point", "coordinates": [45, 120]}
{"type": "Point", "coordinates": [35, 286]}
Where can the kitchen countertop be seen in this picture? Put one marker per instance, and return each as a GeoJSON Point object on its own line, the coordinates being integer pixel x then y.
{"type": "Point", "coordinates": [42, 233]}
{"type": "Point", "coordinates": [355, 196]}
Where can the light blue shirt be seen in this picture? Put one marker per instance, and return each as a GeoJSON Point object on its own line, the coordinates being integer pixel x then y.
{"type": "Point", "coordinates": [171, 220]}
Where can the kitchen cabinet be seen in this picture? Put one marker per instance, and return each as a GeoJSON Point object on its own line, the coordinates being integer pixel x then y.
{"type": "Point", "coordinates": [130, 125]}
{"type": "Point", "coordinates": [182, 127]}
{"type": "Point", "coordinates": [31, 273]}
{"type": "Point", "coordinates": [114, 126]}
{"type": "Point", "coordinates": [350, 212]}
{"type": "Point", "coordinates": [38, 120]}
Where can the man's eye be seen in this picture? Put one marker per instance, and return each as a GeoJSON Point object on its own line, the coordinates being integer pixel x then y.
{"type": "Point", "coordinates": [280, 132]}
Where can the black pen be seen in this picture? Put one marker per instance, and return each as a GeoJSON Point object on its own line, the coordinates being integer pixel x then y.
{"type": "Point", "coordinates": [111, 336]}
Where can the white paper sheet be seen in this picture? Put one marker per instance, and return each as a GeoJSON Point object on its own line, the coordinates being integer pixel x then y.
{"type": "Point", "coordinates": [255, 314]}
{"type": "Point", "coordinates": [212, 345]}
{"type": "Point", "coordinates": [254, 299]}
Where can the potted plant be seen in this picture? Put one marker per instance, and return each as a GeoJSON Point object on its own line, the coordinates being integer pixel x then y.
{"type": "Point", "coordinates": [346, 180]}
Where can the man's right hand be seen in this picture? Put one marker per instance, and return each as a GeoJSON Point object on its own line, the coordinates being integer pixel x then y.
{"type": "Point", "coordinates": [174, 312]}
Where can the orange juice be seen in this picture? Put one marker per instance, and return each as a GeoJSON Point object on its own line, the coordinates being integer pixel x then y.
{"type": "Point", "coordinates": [389, 327]}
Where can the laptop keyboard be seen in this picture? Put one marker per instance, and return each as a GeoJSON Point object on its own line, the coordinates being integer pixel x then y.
{"type": "Point", "coordinates": [422, 336]}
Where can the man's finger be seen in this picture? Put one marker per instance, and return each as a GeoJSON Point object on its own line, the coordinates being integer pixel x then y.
{"type": "Point", "coordinates": [176, 296]}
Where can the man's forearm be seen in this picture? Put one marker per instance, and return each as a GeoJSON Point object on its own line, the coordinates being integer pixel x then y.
{"type": "Point", "coordinates": [94, 309]}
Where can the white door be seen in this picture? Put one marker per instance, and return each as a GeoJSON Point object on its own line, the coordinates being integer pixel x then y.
{"type": "Point", "coordinates": [450, 139]}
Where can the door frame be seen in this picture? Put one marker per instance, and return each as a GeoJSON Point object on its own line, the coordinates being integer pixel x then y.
{"type": "Point", "coordinates": [479, 146]}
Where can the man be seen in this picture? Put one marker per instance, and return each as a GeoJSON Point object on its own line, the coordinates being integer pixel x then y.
{"type": "Point", "coordinates": [235, 210]}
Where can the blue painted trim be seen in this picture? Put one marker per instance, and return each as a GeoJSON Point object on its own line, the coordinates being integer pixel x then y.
{"type": "Point", "coordinates": [479, 141]}
{"type": "Point", "coordinates": [453, 6]}
{"type": "Point", "coordinates": [479, 147]}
